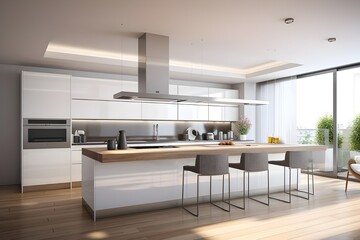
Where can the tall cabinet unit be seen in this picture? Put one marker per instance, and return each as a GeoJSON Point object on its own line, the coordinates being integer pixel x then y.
{"type": "Point", "coordinates": [45, 97]}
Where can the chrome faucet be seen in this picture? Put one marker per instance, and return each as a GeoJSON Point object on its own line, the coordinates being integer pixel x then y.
{"type": "Point", "coordinates": [156, 132]}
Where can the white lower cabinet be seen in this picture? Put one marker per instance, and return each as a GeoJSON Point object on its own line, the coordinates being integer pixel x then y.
{"type": "Point", "coordinates": [76, 160]}
{"type": "Point", "coordinates": [76, 165]}
{"type": "Point", "coordinates": [159, 111]}
{"type": "Point", "coordinates": [45, 166]}
{"type": "Point", "coordinates": [92, 109]}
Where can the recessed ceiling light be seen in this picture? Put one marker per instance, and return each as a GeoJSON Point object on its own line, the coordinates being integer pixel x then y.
{"type": "Point", "coordinates": [288, 20]}
{"type": "Point", "coordinates": [332, 39]}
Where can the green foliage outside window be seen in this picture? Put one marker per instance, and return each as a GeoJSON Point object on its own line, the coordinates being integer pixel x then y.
{"type": "Point", "coordinates": [326, 122]}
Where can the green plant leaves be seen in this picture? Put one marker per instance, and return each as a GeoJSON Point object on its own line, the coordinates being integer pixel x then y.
{"type": "Point", "coordinates": [354, 138]}
{"type": "Point", "coordinates": [326, 122]}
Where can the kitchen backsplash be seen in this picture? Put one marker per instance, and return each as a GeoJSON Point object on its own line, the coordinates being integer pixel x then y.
{"type": "Point", "coordinates": [144, 130]}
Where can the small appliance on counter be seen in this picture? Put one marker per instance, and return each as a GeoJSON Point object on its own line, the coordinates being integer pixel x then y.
{"type": "Point", "coordinates": [210, 136]}
{"type": "Point", "coordinates": [76, 137]}
{"type": "Point", "coordinates": [190, 134]}
{"type": "Point", "coordinates": [121, 140]}
{"type": "Point", "coordinates": [82, 136]}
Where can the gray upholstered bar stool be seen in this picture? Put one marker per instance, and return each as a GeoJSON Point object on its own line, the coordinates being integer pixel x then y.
{"type": "Point", "coordinates": [208, 165]}
{"type": "Point", "coordinates": [252, 162]}
{"type": "Point", "coordinates": [297, 160]}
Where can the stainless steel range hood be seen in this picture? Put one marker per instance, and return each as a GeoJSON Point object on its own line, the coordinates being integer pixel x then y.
{"type": "Point", "coordinates": [153, 74]}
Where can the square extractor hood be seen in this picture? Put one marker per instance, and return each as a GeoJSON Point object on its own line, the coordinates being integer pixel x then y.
{"type": "Point", "coordinates": [153, 74]}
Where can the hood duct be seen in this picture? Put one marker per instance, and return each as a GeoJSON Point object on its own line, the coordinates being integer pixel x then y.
{"type": "Point", "coordinates": [153, 75]}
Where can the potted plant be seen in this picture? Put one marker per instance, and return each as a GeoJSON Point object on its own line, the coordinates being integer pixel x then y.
{"type": "Point", "coordinates": [243, 126]}
{"type": "Point", "coordinates": [354, 137]}
{"type": "Point", "coordinates": [326, 124]}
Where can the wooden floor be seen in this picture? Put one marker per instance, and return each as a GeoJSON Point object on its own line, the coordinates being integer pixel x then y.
{"type": "Point", "coordinates": [58, 214]}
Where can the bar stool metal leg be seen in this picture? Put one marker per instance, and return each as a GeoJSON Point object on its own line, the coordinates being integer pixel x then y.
{"type": "Point", "coordinates": [268, 185]}
{"type": "Point", "coordinates": [197, 197]}
{"type": "Point", "coordinates": [288, 193]}
{"type": "Point", "coordinates": [227, 210]}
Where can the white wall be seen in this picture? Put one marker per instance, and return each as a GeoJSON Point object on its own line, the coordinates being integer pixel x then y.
{"type": "Point", "coordinates": [248, 91]}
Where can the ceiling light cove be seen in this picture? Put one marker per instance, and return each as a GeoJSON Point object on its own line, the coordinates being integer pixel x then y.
{"type": "Point", "coordinates": [63, 52]}
{"type": "Point", "coordinates": [71, 53]}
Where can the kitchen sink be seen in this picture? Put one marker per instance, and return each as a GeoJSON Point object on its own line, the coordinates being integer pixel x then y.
{"type": "Point", "coordinates": [148, 147]}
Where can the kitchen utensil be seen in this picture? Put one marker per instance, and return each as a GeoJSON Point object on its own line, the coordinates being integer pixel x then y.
{"type": "Point", "coordinates": [220, 135]}
{"type": "Point", "coordinates": [121, 140]}
{"type": "Point", "coordinates": [230, 135]}
{"type": "Point", "coordinates": [111, 144]}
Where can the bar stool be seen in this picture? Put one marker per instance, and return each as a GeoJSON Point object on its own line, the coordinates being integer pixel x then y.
{"type": "Point", "coordinates": [208, 165]}
{"type": "Point", "coordinates": [297, 160]}
{"type": "Point", "coordinates": [252, 162]}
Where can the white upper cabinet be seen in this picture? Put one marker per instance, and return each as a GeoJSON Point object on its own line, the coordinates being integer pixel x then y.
{"type": "Point", "coordinates": [99, 89]}
{"type": "Point", "coordinates": [223, 93]}
{"type": "Point", "coordinates": [93, 109]}
{"type": "Point", "coordinates": [222, 112]}
{"type": "Point", "coordinates": [45, 95]}
{"type": "Point", "coordinates": [93, 88]}
{"type": "Point", "coordinates": [193, 112]}
{"type": "Point", "coordinates": [173, 89]}
{"type": "Point", "coordinates": [158, 111]}
{"type": "Point", "coordinates": [193, 91]}
{"type": "Point", "coordinates": [129, 86]}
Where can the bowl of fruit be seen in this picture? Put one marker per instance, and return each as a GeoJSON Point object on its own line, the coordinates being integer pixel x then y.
{"type": "Point", "coordinates": [227, 143]}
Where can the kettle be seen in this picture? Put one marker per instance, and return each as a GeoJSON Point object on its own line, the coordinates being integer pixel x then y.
{"type": "Point", "coordinates": [121, 140]}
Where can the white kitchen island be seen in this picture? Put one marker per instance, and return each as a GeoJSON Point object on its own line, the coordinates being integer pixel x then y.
{"type": "Point", "coordinates": [134, 180]}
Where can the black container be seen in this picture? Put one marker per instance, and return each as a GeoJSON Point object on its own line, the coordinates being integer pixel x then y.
{"type": "Point", "coordinates": [76, 139]}
{"type": "Point", "coordinates": [111, 144]}
{"type": "Point", "coordinates": [121, 140]}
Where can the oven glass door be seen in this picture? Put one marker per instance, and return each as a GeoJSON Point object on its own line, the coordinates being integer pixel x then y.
{"type": "Point", "coordinates": [46, 137]}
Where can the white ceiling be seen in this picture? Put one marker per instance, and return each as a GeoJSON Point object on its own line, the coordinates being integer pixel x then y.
{"type": "Point", "coordinates": [220, 41]}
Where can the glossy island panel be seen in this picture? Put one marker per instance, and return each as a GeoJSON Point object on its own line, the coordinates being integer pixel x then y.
{"type": "Point", "coordinates": [135, 180]}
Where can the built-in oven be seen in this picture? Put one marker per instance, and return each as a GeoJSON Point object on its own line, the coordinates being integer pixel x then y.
{"type": "Point", "coordinates": [46, 133]}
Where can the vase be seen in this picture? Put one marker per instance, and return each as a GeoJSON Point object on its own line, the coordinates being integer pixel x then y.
{"type": "Point", "coordinates": [243, 137]}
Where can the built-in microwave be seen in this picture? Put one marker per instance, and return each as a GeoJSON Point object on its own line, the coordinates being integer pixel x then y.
{"type": "Point", "coordinates": [46, 133]}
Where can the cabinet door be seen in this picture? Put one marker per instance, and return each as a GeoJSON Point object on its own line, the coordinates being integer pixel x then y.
{"type": "Point", "coordinates": [94, 88]}
{"type": "Point", "coordinates": [173, 89]}
{"type": "Point", "coordinates": [45, 166]}
{"type": "Point", "coordinates": [45, 95]}
{"type": "Point", "coordinates": [193, 91]}
{"type": "Point", "coordinates": [88, 109]}
{"type": "Point", "coordinates": [193, 112]}
{"type": "Point", "coordinates": [159, 111]}
{"type": "Point", "coordinates": [231, 113]}
{"type": "Point", "coordinates": [129, 86]}
{"type": "Point", "coordinates": [216, 113]}
{"type": "Point", "coordinates": [223, 113]}
{"type": "Point", "coordinates": [223, 93]}
{"type": "Point", "coordinates": [75, 165]}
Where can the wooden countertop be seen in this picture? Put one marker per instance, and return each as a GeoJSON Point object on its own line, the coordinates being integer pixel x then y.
{"type": "Point", "coordinates": [106, 156]}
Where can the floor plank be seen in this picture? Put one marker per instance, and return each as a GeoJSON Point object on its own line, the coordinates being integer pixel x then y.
{"type": "Point", "coordinates": [58, 214]}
